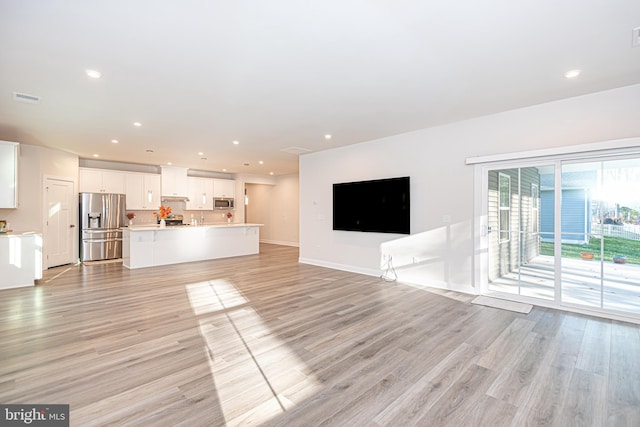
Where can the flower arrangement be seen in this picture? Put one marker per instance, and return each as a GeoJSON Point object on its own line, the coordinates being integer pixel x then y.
{"type": "Point", "coordinates": [229, 215]}
{"type": "Point", "coordinates": [165, 211]}
{"type": "Point", "coordinates": [131, 215]}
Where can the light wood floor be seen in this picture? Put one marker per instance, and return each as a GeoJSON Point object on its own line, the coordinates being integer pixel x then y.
{"type": "Point", "coordinates": [263, 340]}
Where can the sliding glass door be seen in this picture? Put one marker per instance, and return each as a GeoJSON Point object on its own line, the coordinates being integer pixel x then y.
{"type": "Point", "coordinates": [567, 232]}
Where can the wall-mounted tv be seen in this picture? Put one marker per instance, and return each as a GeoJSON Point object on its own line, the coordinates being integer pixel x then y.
{"type": "Point", "coordinates": [380, 206]}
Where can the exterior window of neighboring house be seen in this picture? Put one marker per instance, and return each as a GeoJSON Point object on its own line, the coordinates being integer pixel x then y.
{"type": "Point", "coordinates": [535, 200]}
{"type": "Point", "coordinates": [504, 206]}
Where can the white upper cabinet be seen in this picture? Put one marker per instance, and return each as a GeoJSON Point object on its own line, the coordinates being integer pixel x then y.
{"type": "Point", "coordinates": [143, 191]}
{"type": "Point", "coordinates": [174, 181]}
{"type": "Point", "coordinates": [102, 181]}
{"type": "Point", "coordinates": [8, 174]}
{"type": "Point", "coordinates": [224, 188]}
{"type": "Point", "coordinates": [200, 194]}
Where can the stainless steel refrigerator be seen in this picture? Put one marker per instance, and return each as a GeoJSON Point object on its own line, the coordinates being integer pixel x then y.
{"type": "Point", "coordinates": [101, 216]}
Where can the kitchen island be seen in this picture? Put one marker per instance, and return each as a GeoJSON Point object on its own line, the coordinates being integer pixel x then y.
{"type": "Point", "coordinates": [149, 246]}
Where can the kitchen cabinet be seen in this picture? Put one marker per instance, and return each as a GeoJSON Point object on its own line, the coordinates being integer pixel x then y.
{"type": "Point", "coordinates": [8, 174]}
{"type": "Point", "coordinates": [102, 181]}
{"type": "Point", "coordinates": [200, 194]}
{"type": "Point", "coordinates": [143, 191]}
{"type": "Point", "coordinates": [174, 181]}
{"type": "Point", "coordinates": [224, 188]}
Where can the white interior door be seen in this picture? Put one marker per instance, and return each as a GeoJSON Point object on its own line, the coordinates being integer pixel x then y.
{"type": "Point", "coordinates": [60, 224]}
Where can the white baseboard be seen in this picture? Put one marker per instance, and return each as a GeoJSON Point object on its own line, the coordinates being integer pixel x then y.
{"type": "Point", "coordinates": [280, 242]}
{"type": "Point", "coordinates": [342, 267]}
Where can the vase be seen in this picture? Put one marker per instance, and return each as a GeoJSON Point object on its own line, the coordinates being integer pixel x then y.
{"type": "Point", "coordinates": [163, 223]}
{"type": "Point", "coordinates": [228, 220]}
{"type": "Point", "coordinates": [130, 222]}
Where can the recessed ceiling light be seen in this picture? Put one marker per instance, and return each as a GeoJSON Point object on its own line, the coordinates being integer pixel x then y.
{"type": "Point", "coordinates": [270, 173]}
{"type": "Point", "coordinates": [94, 74]}
{"type": "Point", "coordinates": [96, 155]}
{"type": "Point", "coordinates": [224, 170]}
{"type": "Point", "coordinates": [200, 153]}
{"type": "Point", "coordinates": [115, 141]}
{"type": "Point", "coordinates": [137, 124]}
{"type": "Point", "coordinates": [169, 163]}
{"type": "Point", "coordinates": [572, 74]}
{"type": "Point", "coordinates": [327, 136]}
{"type": "Point", "coordinates": [236, 142]}
{"type": "Point", "coordinates": [261, 162]}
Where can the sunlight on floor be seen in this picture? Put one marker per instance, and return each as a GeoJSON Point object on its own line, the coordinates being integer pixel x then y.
{"type": "Point", "coordinates": [251, 366]}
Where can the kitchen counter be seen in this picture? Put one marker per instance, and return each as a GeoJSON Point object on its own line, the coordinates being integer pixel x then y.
{"type": "Point", "coordinates": [20, 259]}
{"type": "Point", "coordinates": [150, 245]}
{"type": "Point", "coordinates": [151, 227]}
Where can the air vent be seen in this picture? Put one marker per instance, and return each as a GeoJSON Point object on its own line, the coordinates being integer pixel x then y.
{"type": "Point", "coordinates": [296, 150]}
{"type": "Point", "coordinates": [23, 97]}
{"type": "Point", "coordinates": [636, 37]}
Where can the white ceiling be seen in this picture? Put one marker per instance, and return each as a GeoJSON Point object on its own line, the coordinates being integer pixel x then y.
{"type": "Point", "coordinates": [277, 74]}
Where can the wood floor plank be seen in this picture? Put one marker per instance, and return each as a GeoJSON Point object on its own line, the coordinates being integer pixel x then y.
{"type": "Point", "coordinates": [264, 340]}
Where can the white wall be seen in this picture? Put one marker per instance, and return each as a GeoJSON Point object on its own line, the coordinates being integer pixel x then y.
{"type": "Point", "coordinates": [34, 164]}
{"type": "Point", "coordinates": [441, 184]}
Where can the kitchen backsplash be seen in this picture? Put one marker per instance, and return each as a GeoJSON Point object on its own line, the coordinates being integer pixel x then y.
{"type": "Point", "coordinates": [178, 208]}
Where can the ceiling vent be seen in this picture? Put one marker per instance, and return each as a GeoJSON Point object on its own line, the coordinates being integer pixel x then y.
{"type": "Point", "coordinates": [23, 97]}
{"type": "Point", "coordinates": [296, 150]}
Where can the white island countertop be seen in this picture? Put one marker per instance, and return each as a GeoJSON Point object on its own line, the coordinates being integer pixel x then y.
{"type": "Point", "coordinates": [151, 227]}
{"type": "Point", "coordinates": [152, 245]}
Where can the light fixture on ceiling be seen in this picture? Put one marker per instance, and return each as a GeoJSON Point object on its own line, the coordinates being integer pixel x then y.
{"type": "Point", "coordinates": [261, 162]}
{"type": "Point", "coordinates": [94, 74]}
{"type": "Point", "coordinates": [96, 155]}
{"type": "Point", "coordinates": [115, 141]}
{"type": "Point", "coordinates": [327, 136]}
{"type": "Point", "coordinates": [224, 170]}
{"type": "Point", "coordinates": [236, 142]}
{"type": "Point", "coordinates": [169, 163]}
{"type": "Point", "coordinates": [200, 153]}
{"type": "Point", "coordinates": [572, 74]}
{"type": "Point", "coordinates": [137, 124]}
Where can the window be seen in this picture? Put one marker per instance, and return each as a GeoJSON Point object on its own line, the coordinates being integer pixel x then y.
{"type": "Point", "coordinates": [504, 206]}
{"type": "Point", "coordinates": [535, 200]}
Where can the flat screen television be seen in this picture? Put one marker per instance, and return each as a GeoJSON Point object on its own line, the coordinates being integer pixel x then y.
{"type": "Point", "coordinates": [379, 206]}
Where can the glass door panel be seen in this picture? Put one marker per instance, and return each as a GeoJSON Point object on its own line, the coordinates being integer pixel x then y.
{"type": "Point", "coordinates": [601, 235]}
{"type": "Point", "coordinates": [520, 239]}
{"type": "Point", "coordinates": [620, 205]}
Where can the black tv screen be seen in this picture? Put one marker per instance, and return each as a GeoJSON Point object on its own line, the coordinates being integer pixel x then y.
{"type": "Point", "coordinates": [380, 206]}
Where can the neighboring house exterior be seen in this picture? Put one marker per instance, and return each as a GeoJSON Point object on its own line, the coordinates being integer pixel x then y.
{"type": "Point", "coordinates": [513, 219]}
{"type": "Point", "coordinates": [576, 206]}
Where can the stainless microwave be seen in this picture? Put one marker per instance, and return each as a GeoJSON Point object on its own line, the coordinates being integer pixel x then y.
{"type": "Point", "coordinates": [223, 203]}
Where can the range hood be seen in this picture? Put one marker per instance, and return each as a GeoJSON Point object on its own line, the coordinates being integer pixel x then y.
{"type": "Point", "coordinates": [174, 199]}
